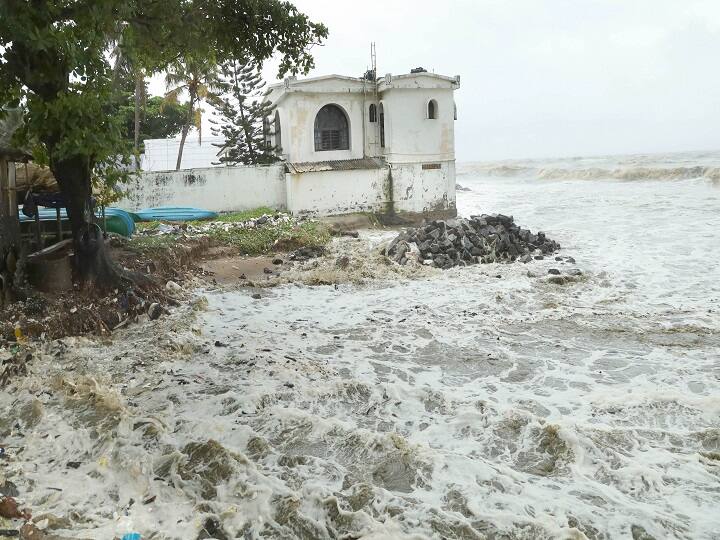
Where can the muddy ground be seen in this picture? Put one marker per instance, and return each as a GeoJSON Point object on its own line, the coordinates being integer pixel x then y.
{"type": "Point", "coordinates": [53, 315]}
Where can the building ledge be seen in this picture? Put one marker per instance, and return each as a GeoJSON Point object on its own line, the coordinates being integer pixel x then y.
{"type": "Point", "coordinates": [338, 165]}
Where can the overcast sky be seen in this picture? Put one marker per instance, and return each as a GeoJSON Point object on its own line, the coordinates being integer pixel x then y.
{"type": "Point", "coordinates": [546, 78]}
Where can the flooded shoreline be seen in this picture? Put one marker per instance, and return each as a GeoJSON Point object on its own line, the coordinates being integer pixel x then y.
{"type": "Point", "coordinates": [478, 402]}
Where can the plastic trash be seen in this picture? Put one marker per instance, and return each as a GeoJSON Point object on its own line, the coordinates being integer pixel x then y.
{"type": "Point", "coordinates": [132, 536]}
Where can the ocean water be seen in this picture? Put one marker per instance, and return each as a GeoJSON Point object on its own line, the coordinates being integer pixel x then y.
{"type": "Point", "coordinates": [480, 402]}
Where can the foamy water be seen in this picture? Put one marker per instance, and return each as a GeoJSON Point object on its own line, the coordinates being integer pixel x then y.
{"type": "Point", "coordinates": [452, 404]}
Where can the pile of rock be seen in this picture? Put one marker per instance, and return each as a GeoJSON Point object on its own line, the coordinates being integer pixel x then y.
{"type": "Point", "coordinates": [459, 242]}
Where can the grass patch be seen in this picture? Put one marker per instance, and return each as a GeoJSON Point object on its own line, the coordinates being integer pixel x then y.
{"type": "Point", "coordinates": [262, 240]}
{"type": "Point", "coordinates": [256, 241]}
{"type": "Point", "coordinates": [148, 245]}
{"type": "Point", "coordinates": [234, 217]}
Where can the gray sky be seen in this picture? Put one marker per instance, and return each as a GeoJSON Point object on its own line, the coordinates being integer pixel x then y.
{"type": "Point", "coordinates": [546, 78]}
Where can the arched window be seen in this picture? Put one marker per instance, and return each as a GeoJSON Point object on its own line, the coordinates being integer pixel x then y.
{"type": "Point", "coordinates": [432, 109]}
{"type": "Point", "coordinates": [454, 111]}
{"type": "Point", "coordinates": [382, 126]}
{"type": "Point", "coordinates": [331, 129]}
{"type": "Point", "coordinates": [373, 113]}
{"type": "Point", "coordinates": [278, 132]}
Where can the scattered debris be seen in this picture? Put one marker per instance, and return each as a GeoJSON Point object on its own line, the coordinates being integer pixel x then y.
{"type": "Point", "coordinates": [212, 528]}
{"type": "Point", "coordinates": [15, 366]}
{"type": "Point", "coordinates": [342, 262]}
{"type": "Point", "coordinates": [155, 311]}
{"type": "Point", "coordinates": [342, 232]}
{"type": "Point", "coordinates": [8, 489]}
{"type": "Point", "coordinates": [173, 287]}
{"type": "Point", "coordinates": [307, 253]}
{"type": "Point", "coordinates": [206, 227]}
{"type": "Point", "coordinates": [9, 509]}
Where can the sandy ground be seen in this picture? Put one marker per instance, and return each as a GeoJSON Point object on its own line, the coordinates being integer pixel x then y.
{"type": "Point", "coordinates": [237, 269]}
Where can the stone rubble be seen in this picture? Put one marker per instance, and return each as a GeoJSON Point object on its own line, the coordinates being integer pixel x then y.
{"type": "Point", "coordinates": [460, 242]}
{"type": "Point", "coordinates": [195, 228]}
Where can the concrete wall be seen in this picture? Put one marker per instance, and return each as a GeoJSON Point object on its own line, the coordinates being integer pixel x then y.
{"type": "Point", "coordinates": [338, 192]}
{"type": "Point", "coordinates": [408, 190]}
{"type": "Point", "coordinates": [429, 191]}
{"type": "Point", "coordinates": [220, 189]}
{"type": "Point", "coordinates": [411, 136]}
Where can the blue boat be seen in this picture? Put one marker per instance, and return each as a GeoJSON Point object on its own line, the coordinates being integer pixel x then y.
{"type": "Point", "coordinates": [172, 213]}
{"type": "Point", "coordinates": [118, 221]}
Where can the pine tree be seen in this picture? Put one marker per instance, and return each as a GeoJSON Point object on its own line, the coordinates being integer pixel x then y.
{"type": "Point", "coordinates": [244, 116]}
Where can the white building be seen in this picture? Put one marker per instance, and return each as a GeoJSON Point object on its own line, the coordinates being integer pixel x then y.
{"type": "Point", "coordinates": [161, 154]}
{"type": "Point", "coordinates": [349, 145]}
{"type": "Point", "coordinates": [397, 132]}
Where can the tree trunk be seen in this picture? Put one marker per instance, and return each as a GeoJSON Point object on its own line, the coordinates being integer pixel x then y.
{"type": "Point", "coordinates": [248, 135]}
{"type": "Point", "coordinates": [185, 129]}
{"type": "Point", "coordinates": [92, 267]}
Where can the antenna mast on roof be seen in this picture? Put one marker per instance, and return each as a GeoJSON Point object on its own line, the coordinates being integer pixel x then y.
{"type": "Point", "coordinates": [373, 61]}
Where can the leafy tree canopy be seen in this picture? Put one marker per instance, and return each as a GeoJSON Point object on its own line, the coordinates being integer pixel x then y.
{"type": "Point", "coordinates": [58, 61]}
{"type": "Point", "coordinates": [161, 118]}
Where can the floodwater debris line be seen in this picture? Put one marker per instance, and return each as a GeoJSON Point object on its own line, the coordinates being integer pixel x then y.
{"type": "Point", "coordinates": [461, 242]}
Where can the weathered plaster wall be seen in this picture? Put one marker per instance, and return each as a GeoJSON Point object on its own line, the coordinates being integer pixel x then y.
{"type": "Point", "coordinates": [220, 189]}
{"type": "Point", "coordinates": [402, 189]}
{"type": "Point", "coordinates": [337, 192]}
{"type": "Point", "coordinates": [411, 136]}
{"type": "Point", "coordinates": [297, 118]}
{"type": "Point", "coordinates": [428, 191]}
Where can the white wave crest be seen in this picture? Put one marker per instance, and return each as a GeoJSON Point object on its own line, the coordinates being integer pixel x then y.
{"type": "Point", "coordinates": [634, 173]}
{"type": "Point", "coordinates": [710, 173]}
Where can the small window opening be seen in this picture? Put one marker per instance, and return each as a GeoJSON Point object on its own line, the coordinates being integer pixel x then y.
{"type": "Point", "coordinates": [432, 109]}
{"type": "Point", "coordinates": [373, 113]}
{"type": "Point", "coordinates": [331, 129]}
{"type": "Point", "coordinates": [382, 126]}
{"type": "Point", "coordinates": [278, 132]}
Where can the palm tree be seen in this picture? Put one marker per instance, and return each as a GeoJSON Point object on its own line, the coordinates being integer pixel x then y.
{"type": "Point", "coordinates": [199, 80]}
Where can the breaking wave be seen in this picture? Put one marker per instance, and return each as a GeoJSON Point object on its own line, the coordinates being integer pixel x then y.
{"type": "Point", "coordinates": [710, 173]}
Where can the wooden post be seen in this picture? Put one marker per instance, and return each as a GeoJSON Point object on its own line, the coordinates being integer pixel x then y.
{"type": "Point", "coordinates": [4, 188]}
{"type": "Point", "coordinates": [38, 232]}
{"type": "Point", "coordinates": [59, 224]}
{"type": "Point", "coordinates": [9, 226]}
